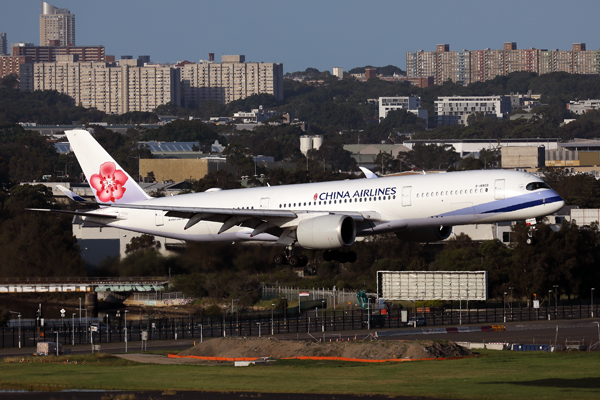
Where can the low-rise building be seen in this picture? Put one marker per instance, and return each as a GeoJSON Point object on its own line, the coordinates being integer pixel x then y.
{"type": "Point", "coordinates": [523, 157]}
{"type": "Point", "coordinates": [412, 104]}
{"type": "Point", "coordinates": [452, 110]}
{"type": "Point", "coordinates": [255, 116]}
{"type": "Point", "coordinates": [583, 106]}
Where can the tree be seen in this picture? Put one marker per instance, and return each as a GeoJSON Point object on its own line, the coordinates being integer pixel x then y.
{"type": "Point", "coordinates": [333, 154]}
{"type": "Point", "coordinates": [431, 156]}
{"type": "Point", "coordinates": [219, 179]}
{"type": "Point", "coordinates": [142, 242]}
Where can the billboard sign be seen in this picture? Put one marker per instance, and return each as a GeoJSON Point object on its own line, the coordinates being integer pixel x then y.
{"type": "Point", "coordinates": [432, 285]}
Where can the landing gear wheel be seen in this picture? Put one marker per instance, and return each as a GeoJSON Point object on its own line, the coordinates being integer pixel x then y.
{"type": "Point", "coordinates": [530, 241]}
{"type": "Point", "coordinates": [293, 261]}
{"type": "Point", "coordinates": [327, 255]}
{"type": "Point", "coordinates": [303, 261]}
{"type": "Point", "coordinates": [342, 257]}
{"type": "Point", "coordinates": [279, 259]}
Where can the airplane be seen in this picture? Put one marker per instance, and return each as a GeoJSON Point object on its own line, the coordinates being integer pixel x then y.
{"type": "Point", "coordinates": [326, 216]}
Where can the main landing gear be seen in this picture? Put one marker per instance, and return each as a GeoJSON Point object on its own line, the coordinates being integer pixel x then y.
{"type": "Point", "coordinates": [339, 256]}
{"type": "Point", "coordinates": [289, 258]}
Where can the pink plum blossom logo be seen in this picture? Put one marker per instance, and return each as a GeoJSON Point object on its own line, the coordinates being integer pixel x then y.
{"type": "Point", "coordinates": [315, 196]}
{"type": "Point", "coordinates": [110, 183]}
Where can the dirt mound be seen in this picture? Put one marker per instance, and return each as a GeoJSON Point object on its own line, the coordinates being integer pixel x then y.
{"type": "Point", "coordinates": [373, 350]}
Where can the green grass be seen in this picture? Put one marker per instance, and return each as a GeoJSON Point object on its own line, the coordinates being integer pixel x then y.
{"type": "Point", "coordinates": [498, 375]}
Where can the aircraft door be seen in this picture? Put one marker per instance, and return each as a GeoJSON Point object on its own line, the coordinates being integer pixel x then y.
{"type": "Point", "coordinates": [264, 202]}
{"type": "Point", "coordinates": [406, 196]}
{"type": "Point", "coordinates": [158, 218]}
{"type": "Point", "coordinates": [499, 189]}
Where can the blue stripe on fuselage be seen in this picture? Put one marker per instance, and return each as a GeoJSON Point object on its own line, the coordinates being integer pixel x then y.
{"type": "Point", "coordinates": [506, 205]}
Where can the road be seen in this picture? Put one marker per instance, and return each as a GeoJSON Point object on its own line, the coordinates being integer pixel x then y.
{"type": "Point", "coordinates": [527, 332]}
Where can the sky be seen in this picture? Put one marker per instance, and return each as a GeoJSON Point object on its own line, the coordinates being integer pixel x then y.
{"type": "Point", "coordinates": [309, 33]}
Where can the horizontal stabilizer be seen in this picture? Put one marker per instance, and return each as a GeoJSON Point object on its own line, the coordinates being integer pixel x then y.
{"type": "Point", "coordinates": [73, 196]}
{"type": "Point", "coordinates": [81, 213]}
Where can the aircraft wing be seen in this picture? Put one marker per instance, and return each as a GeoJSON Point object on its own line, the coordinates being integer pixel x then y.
{"type": "Point", "coordinates": [245, 217]}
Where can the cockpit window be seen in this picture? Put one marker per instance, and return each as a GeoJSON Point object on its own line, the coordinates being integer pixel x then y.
{"type": "Point", "coordinates": [537, 186]}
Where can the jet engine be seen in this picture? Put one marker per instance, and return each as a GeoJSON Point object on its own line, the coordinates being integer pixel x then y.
{"type": "Point", "coordinates": [326, 232]}
{"type": "Point", "coordinates": [425, 235]}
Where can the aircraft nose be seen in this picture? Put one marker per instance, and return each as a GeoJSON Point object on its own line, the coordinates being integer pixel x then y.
{"type": "Point", "coordinates": [557, 202]}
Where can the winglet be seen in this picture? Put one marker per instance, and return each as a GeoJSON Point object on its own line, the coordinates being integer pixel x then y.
{"type": "Point", "coordinates": [368, 173]}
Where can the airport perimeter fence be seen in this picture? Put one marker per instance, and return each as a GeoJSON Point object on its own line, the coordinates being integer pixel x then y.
{"type": "Point", "coordinates": [333, 297]}
{"type": "Point", "coordinates": [317, 322]}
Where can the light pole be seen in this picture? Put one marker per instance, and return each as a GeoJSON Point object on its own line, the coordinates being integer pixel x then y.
{"type": "Point", "coordinates": [592, 303]}
{"type": "Point", "coordinates": [258, 323]}
{"type": "Point", "coordinates": [126, 311]}
{"type": "Point", "coordinates": [284, 310]}
{"type": "Point", "coordinates": [555, 297]}
{"type": "Point", "coordinates": [19, 318]}
{"type": "Point", "coordinates": [511, 300]}
{"type": "Point", "coordinates": [73, 326]}
{"type": "Point", "coordinates": [56, 342]}
{"type": "Point", "coordinates": [86, 320]}
{"type": "Point", "coordinates": [504, 306]}
{"type": "Point", "coordinates": [549, 301]}
{"type": "Point", "coordinates": [272, 326]}
{"type": "Point", "coordinates": [460, 309]}
{"type": "Point", "coordinates": [80, 310]}
{"type": "Point", "coordinates": [70, 162]}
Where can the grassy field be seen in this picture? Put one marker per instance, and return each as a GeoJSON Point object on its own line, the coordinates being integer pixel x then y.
{"type": "Point", "coordinates": [497, 375]}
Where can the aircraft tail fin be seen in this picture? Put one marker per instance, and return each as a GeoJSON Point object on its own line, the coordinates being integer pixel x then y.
{"type": "Point", "coordinates": [109, 182]}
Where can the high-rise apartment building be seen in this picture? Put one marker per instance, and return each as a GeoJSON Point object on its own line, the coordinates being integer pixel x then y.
{"type": "Point", "coordinates": [3, 44]}
{"type": "Point", "coordinates": [464, 67]}
{"type": "Point", "coordinates": [57, 26]}
{"type": "Point", "coordinates": [114, 90]}
{"type": "Point", "coordinates": [49, 53]}
{"type": "Point", "coordinates": [10, 65]}
{"type": "Point", "coordinates": [230, 80]}
{"type": "Point", "coordinates": [338, 72]}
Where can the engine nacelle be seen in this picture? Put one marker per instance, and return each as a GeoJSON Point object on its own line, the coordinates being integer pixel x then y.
{"type": "Point", "coordinates": [326, 232]}
{"type": "Point", "coordinates": [425, 235]}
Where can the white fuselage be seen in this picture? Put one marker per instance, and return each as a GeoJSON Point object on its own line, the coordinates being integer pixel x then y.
{"type": "Point", "coordinates": [389, 204]}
